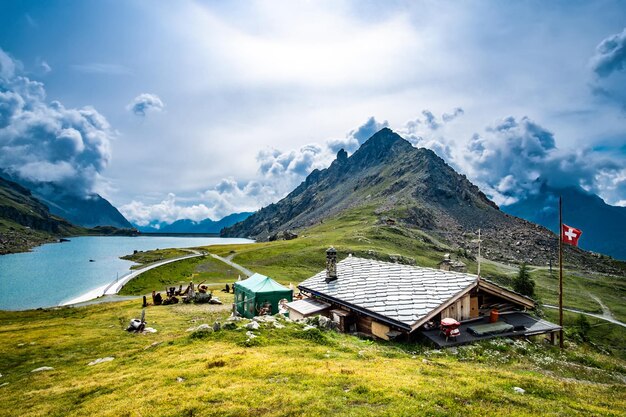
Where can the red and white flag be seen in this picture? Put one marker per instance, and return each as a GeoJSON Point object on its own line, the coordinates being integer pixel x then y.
{"type": "Point", "coordinates": [570, 235]}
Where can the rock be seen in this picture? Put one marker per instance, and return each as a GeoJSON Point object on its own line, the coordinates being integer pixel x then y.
{"type": "Point", "coordinates": [215, 300]}
{"type": "Point", "coordinates": [264, 319]}
{"type": "Point", "coordinates": [43, 368]}
{"type": "Point", "coordinates": [250, 335]}
{"type": "Point", "coordinates": [4, 385]}
{"type": "Point", "coordinates": [149, 330]}
{"type": "Point", "coordinates": [201, 328]}
{"type": "Point", "coordinates": [278, 325]}
{"type": "Point", "coordinates": [519, 390]}
{"type": "Point", "coordinates": [253, 325]}
{"type": "Point", "coordinates": [234, 318]}
{"type": "Point", "coordinates": [152, 345]}
{"type": "Point", "coordinates": [180, 379]}
{"type": "Point", "coordinates": [308, 327]}
{"type": "Point", "coordinates": [217, 326]}
{"type": "Point", "coordinates": [229, 326]}
{"type": "Point", "coordinates": [101, 360]}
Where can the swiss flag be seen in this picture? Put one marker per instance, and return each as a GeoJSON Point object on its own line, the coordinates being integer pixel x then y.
{"type": "Point", "coordinates": [570, 235]}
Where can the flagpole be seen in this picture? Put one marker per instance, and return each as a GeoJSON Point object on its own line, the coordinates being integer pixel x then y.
{"type": "Point", "coordinates": [561, 271]}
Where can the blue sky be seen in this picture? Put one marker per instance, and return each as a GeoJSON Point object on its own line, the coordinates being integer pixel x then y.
{"type": "Point", "coordinates": [213, 107]}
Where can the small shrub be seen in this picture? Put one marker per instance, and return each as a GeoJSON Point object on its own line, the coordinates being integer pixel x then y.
{"type": "Point", "coordinates": [217, 363]}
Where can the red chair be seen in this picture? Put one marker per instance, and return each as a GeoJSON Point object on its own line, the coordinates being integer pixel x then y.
{"type": "Point", "coordinates": [450, 328]}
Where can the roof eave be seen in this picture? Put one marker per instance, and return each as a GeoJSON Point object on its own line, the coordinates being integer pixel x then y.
{"type": "Point", "coordinates": [362, 310]}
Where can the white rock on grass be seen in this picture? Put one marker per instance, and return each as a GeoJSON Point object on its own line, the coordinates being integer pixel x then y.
{"type": "Point", "coordinates": [519, 390]}
{"type": "Point", "coordinates": [180, 379]}
{"type": "Point", "coordinates": [149, 330]}
{"type": "Point", "coordinates": [250, 335]}
{"type": "Point", "coordinates": [43, 369]}
{"type": "Point", "coordinates": [253, 325]}
{"type": "Point", "coordinates": [278, 325]}
{"type": "Point", "coordinates": [308, 327]}
{"type": "Point", "coordinates": [101, 360]}
{"type": "Point", "coordinates": [4, 385]}
{"type": "Point", "coordinates": [203, 328]}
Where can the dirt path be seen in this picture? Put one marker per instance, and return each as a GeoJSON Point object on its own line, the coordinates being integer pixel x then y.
{"type": "Point", "coordinates": [598, 316]}
{"type": "Point", "coordinates": [605, 310]}
{"type": "Point", "coordinates": [228, 261]}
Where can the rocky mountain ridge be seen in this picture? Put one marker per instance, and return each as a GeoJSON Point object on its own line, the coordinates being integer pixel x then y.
{"type": "Point", "coordinates": [416, 189]}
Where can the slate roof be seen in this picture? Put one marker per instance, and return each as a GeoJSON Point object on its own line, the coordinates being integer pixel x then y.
{"type": "Point", "coordinates": [402, 293]}
{"type": "Point", "coordinates": [308, 306]}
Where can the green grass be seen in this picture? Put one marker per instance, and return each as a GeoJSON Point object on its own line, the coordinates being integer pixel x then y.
{"type": "Point", "coordinates": [203, 268]}
{"type": "Point", "coordinates": [282, 372]}
{"type": "Point", "coordinates": [147, 257]}
{"type": "Point", "coordinates": [290, 372]}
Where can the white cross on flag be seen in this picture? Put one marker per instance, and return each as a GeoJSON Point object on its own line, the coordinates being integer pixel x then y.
{"type": "Point", "coordinates": [570, 234]}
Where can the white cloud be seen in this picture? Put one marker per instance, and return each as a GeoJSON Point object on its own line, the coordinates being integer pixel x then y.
{"type": "Point", "coordinates": [145, 103]}
{"type": "Point", "coordinates": [102, 68]}
{"type": "Point", "coordinates": [43, 142]}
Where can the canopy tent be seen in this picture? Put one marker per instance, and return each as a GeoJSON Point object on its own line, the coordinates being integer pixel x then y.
{"type": "Point", "coordinates": [251, 294]}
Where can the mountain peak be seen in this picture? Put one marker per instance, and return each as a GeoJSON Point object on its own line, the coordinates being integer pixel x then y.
{"type": "Point", "coordinates": [384, 138]}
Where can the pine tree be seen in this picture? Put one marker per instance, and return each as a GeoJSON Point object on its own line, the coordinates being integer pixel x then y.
{"type": "Point", "coordinates": [523, 283]}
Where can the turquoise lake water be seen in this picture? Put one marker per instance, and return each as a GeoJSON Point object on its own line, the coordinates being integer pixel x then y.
{"type": "Point", "coordinates": [58, 272]}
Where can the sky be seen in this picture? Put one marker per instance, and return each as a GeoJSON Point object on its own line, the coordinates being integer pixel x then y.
{"type": "Point", "coordinates": [196, 109]}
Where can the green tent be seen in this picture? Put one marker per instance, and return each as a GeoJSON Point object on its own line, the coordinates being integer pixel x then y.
{"type": "Point", "coordinates": [251, 294]}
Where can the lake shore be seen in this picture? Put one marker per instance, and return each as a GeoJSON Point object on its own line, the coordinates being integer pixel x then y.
{"type": "Point", "coordinates": [114, 287]}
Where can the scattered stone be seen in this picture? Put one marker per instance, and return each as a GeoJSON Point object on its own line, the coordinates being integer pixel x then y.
{"type": "Point", "coordinates": [217, 326]}
{"type": "Point", "coordinates": [152, 345]}
{"type": "Point", "coordinates": [519, 390]}
{"type": "Point", "coordinates": [21, 344]}
{"type": "Point", "coordinates": [234, 318]}
{"type": "Point", "coordinates": [180, 379]}
{"type": "Point", "coordinates": [264, 319]}
{"type": "Point", "coordinates": [278, 325]}
{"type": "Point", "coordinates": [42, 369]}
{"type": "Point", "coordinates": [201, 328]}
{"type": "Point", "coordinates": [425, 361]}
{"type": "Point", "coordinates": [308, 327]}
{"type": "Point", "coordinates": [149, 330]}
{"type": "Point", "coordinates": [253, 325]}
{"type": "Point", "coordinates": [229, 326]}
{"type": "Point", "coordinates": [4, 385]}
{"type": "Point", "coordinates": [250, 335]}
{"type": "Point", "coordinates": [101, 360]}
{"type": "Point", "coordinates": [215, 300]}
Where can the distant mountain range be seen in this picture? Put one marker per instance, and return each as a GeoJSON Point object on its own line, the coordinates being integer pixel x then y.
{"type": "Point", "coordinates": [191, 226]}
{"type": "Point", "coordinates": [603, 225]}
{"type": "Point", "coordinates": [410, 188]}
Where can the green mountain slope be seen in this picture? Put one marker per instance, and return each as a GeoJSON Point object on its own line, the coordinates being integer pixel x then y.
{"type": "Point", "coordinates": [25, 221]}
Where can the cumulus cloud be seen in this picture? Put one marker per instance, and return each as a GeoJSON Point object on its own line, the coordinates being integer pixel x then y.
{"type": "Point", "coordinates": [47, 142]}
{"type": "Point", "coordinates": [610, 55]}
{"type": "Point", "coordinates": [168, 210]}
{"type": "Point", "coordinates": [514, 158]}
{"type": "Point", "coordinates": [145, 103]}
{"type": "Point", "coordinates": [356, 137]}
{"type": "Point", "coordinates": [430, 132]}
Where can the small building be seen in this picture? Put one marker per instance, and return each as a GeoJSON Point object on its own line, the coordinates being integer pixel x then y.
{"type": "Point", "coordinates": [307, 307]}
{"type": "Point", "coordinates": [449, 264]}
{"type": "Point", "coordinates": [259, 292]}
{"type": "Point", "coordinates": [390, 301]}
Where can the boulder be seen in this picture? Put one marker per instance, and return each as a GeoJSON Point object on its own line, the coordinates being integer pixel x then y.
{"type": "Point", "coordinates": [101, 360]}
{"type": "Point", "coordinates": [43, 369]}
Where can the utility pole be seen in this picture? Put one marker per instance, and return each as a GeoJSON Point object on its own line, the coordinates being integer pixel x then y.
{"type": "Point", "coordinates": [561, 271]}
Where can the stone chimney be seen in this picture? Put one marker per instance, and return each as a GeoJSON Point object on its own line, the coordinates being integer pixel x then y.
{"type": "Point", "coordinates": [331, 264]}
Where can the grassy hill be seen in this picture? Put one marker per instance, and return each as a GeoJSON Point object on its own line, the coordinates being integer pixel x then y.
{"type": "Point", "coordinates": [291, 371]}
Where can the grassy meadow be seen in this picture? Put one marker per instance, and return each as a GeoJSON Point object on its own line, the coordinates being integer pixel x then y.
{"type": "Point", "coordinates": [289, 371]}
{"type": "Point", "coordinates": [283, 372]}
